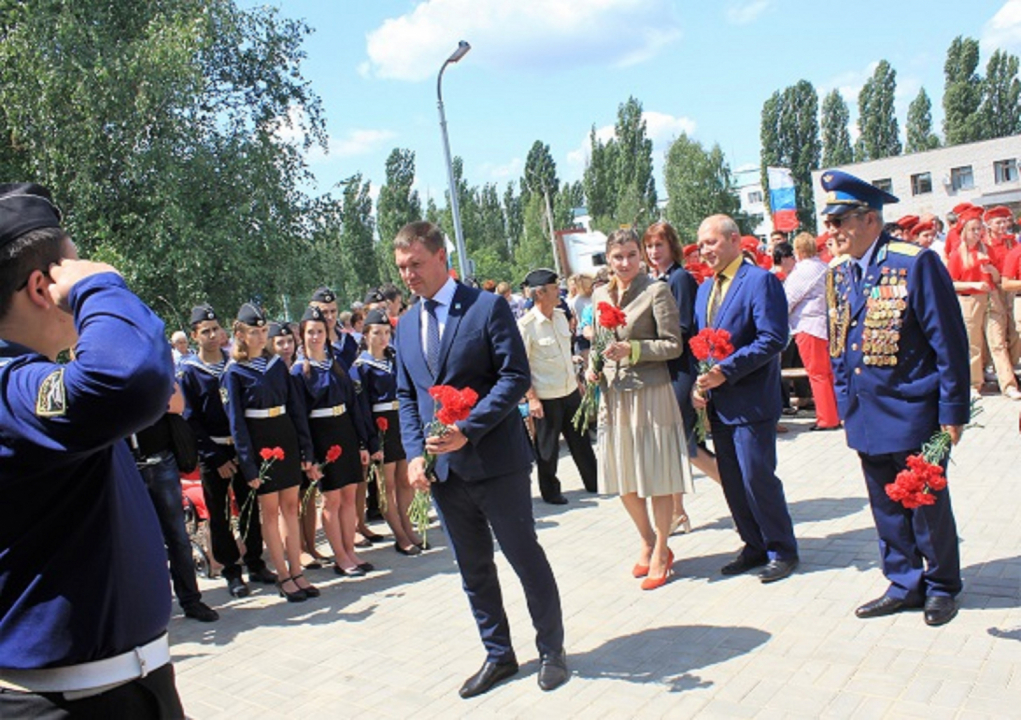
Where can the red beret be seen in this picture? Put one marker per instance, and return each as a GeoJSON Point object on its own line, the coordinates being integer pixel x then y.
{"type": "Point", "coordinates": [961, 207]}
{"type": "Point", "coordinates": [907, 222]}
{"type": "Point", "coordinates": [969, 214]}
{"type": "Point", "coordinates": [999, 211]}
{"type": "Point", "coordinates": [690, 250]}
{"type": "Point", "coordinates": [750, 243]}
{"type": "Point", "coordinates": [921, 227]}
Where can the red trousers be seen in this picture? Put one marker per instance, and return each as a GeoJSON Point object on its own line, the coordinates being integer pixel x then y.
{"type": "Point", "coordinates": [815, 354]}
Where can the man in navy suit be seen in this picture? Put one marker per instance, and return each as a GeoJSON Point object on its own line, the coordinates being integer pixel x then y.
{"type": "Point", "coordinates": [462, 337]}
{"type": "Point", "coordinates": [743, 404]}
{"type": "Point", "coordinates": [900, 361]}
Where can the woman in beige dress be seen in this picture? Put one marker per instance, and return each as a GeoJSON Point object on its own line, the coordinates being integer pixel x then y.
{"type": "Point", "coordinates": [641, 445]}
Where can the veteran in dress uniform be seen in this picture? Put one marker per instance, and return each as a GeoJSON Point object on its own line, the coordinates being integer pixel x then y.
{"type": "Point", "coordinates": [84, 605]}
{"type": "Point", "coordinates": [900, 364]}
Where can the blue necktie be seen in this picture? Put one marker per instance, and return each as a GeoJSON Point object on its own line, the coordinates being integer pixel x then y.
{"type": "Point", "coordinates": [432, 336]}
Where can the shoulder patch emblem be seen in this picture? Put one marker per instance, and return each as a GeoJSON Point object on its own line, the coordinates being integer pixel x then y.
{"type": "Point", "coordinates": [224, 397]}
{"type": "Point", "coordinates": [52, 399]}
{"type": "Point", "coordinates": [903, 248]}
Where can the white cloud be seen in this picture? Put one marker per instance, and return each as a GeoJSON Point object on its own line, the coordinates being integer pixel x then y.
{"type": "Point", "coordinates": [529, 34]}
{"type": "Point", "coordinates": [744, 12]}
{"type": "Point", "coordinates": [359, 142]}
{"type": "Point", "coordinates": [849, 83]}
{"type": "Point", "coordinates": [1003, 31]}
{"type": "Point", "coordinates": [507, 171]}
{"type": "Point", "coordinates": [661, 128]}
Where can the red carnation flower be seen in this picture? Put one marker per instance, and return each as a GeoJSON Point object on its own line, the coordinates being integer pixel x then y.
{"type": "Point", "coordinates": [454, 404]}
{"type": "Point", "coordinates": [611, 317]}
{"type": "Point", "coordinates": [278, 453]}
{"type": "Point", "coordinates": [266, 453]}
{"type": "Point", "coordinates": [333, 453]}
{"type": "Point", "coordinates": [382, 423]}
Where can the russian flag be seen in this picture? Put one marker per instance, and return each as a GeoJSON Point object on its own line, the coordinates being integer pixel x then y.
{"type": "Point", "coordinates": [782, 199]}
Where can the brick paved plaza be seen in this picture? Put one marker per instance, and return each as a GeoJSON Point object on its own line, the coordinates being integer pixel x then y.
{"type": "Point", "coordinates": [399, 643]}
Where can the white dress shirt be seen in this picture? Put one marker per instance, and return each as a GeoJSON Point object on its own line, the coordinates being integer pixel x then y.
{"type": "Point", "coordinates": [443, 297]}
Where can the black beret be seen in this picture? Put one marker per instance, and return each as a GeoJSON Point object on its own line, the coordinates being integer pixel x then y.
{"type": "Point", "coordinates": [251, 314]}
{"type": "Point", "coordinates": [373, 296]}
{"type": "Point", "coordinates": [313, 313]}
{"type": "Point", "coordinates": [377, 317]}
{"type": "Point", "coordinates": [540, 277]}
{"type": "Point", "coordinates": [201, 313]}
{"type": "Point", "coordinates": [25, 207]}
{"type": "Point", "coordinates": [324, 295]}
{"type": "Point", "coordinates": [280, 329]}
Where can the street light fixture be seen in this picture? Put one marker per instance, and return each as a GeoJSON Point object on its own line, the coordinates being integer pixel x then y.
{"type": "Point", "coordinates": [455, 211]}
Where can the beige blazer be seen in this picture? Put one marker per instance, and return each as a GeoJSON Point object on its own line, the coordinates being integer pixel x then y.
{"type": "Point", "coordinates": [654, 322]}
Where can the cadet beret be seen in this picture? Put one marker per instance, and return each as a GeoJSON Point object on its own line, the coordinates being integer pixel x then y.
{"type": "Point", "coordinates": [251, 314]}
{"type": "Point", "coordinates": [313, 313]}
{"type": "Point", "coordinates": [961, 207]}
{"type": "Point", "coordinates": [540, 277]}
{"type": "Point", "coordinates": [1000, 211]}
{"type": "Point", "coordinates": [907, 222]}
{"type": "Point", "coordinates": [972, 213]}
{"type": "Point", "coordinates": [690, 250]}
{"type": "Point", "coordinates": [750, 243]}
{"type": "Point", "coordinates": [325, 295]}
{"type": "Point", "coordinates": [277, 329]}
{"type": "Point", "coordinates": [374, 296]}
{"type": "Point", "coordinates": [377, 317]}
{"type": "Point", "coordinates": [845, 192]}
{"type": "Point", "coordinates": [921, 227]}
{"type": "Point", "coordinates": [201, 313]}
{"type": "Point", "coordinates": [25, 207]}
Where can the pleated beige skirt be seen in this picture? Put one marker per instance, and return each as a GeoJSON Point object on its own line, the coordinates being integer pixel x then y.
{"type": "Point", "coordinates": [641, 444]}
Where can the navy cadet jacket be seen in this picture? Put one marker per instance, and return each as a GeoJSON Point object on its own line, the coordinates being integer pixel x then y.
{"type": "Point", "coordinates": [481, 348]}
{"type": "Point", "coordinates": [379, 378]}
{"type": "Point", "coordinates": [892, 407]}
{"type": "Point", "coordinates": [244, 386]}
{"type": "Point", "coordinates": [345, 349]}
{"type": "Point", "coordinates": [754, 312]}
{"type": "Point", "coordinates": [203, 408]}
{"type": "Point", "coordinates": [324, 388]}
{"type": "Point", "coordinates": [83, 570]}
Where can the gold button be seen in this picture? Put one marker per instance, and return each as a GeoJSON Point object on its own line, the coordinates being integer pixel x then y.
{"type": "Point", "coordinates": [857, 371]}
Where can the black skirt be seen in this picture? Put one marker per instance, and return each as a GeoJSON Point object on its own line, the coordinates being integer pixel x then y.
{"type": "Point", "coordinates": [330, 431]}
{"type": "Point", "coordinates": [277, 432]}
{"type": "Point", "coordinates": [393, 448]}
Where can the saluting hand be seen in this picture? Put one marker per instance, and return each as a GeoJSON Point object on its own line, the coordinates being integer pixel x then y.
{"type": "Point", "coordinates": [417, 478]}
{"type": "Point", "coordinates": [69, 271]}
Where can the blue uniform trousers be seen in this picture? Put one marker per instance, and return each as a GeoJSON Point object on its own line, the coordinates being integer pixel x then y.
{"type": "Point", "coordinates": [909, 537]}
{"type": "Point", "coordinates": [468, 509]}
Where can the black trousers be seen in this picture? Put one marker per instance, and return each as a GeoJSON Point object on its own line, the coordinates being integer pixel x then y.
{"type": "Point", "coordinates": [153, 697]}
{"type": "Point", "coordinates": [557, 420]}
{"type": "Point", "coordinates": [221, 537]}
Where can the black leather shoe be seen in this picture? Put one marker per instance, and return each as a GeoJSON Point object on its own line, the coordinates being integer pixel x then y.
{"type": "Point", "coordinates": [743, 564]}
{"type": "Point", "coordinates": [237, 587]}
{"type": "Point", "coordinates": [819, 428]}
{"type": "Point", "coordinates": [553, 670]}
{"type": "Point", "coordinates": [488, 675]}
{"type": "Point", "coordinates": [885, 605]}
{"type": "Point", "coordinates": [262, 575]}
{"type": "Point", "coordinates": [353, 572]}
{"type": "Point", "coordinates": [778, 570]}
{"type": "Point", "coordinates": [939, 610]}
{"type": "Point", "coordinates": [198, 610]}
{"type": "Point", "coordinates": [558, 500]}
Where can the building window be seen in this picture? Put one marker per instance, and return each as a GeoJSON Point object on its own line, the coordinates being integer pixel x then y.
{"type": "Point", "coordinates": [1005, 171]}
{"type": "Point", "coordinates": [921, 184]}
{"type": "Point", "coordinates": [755, 197]}
{"type": "Point", "coordinates": [885, 184]}
{"type": "Point", "coordinates": [961, 178]}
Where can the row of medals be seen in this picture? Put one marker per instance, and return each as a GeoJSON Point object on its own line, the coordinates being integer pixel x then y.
{"type": "Point", "coordinates": [883, 318]}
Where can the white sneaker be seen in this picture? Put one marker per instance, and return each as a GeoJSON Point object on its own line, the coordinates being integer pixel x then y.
{"type": "Point", "coordinates": [1013, 393]}
{"type": "Point", "coordinates": [975, 394]}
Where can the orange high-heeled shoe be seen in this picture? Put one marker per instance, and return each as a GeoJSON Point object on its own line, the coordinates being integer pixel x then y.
{"type": "Point", "coordinates": [651, 583]}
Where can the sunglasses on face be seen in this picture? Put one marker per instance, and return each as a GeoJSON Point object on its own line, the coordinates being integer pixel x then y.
{"type": "Point", "coordinates": [835, 222]}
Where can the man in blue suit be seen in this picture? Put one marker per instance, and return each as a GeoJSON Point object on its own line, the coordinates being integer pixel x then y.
{"type": "Point", "coordinates": [462, 337]}
{"type": "Point", "coordinates": [743, 403]}
{"type": "Point", "coordinates": [900, 368]}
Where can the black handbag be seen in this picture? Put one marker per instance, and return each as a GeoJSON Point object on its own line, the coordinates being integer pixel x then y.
{"type": "Point", "coordinates": [182, 443]}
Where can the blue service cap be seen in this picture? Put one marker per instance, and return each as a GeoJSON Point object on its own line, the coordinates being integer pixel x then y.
{"type": "Point", "coordinates": [845, 192]}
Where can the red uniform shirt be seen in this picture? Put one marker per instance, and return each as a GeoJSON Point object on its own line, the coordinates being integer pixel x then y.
{"type": "Point", "coordinates": [998, 249]}
{"type": "Point", "coordinates": [1012, 264]}
{"type": "Point", "coordinates": [960, 273]}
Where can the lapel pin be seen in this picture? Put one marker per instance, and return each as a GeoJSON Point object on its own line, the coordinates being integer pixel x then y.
{"type": "Point", "coordinates": [457, 306]}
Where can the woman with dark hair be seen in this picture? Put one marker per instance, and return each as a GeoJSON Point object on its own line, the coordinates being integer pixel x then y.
{"type": "Point", "coordinates": [265, 414]}
{"type": "Point", "coordinates": [281, 342]}
{"type": "Point", "coordinates": [665, 257]}
{"type": "Point", "coordinates": [335, 419]}
{"type": "Point", "coordinates": [642, 448]}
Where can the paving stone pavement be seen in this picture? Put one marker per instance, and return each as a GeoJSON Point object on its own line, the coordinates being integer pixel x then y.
{"type": "Point", "coordinates": [400, 642]}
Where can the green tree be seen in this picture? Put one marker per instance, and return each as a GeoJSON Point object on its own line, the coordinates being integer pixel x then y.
{"type": "Point", "coordinates": [398, 205]}
{"type": "Point", "coordinates": [879, 135]}
{"type": "Point", "coordinates": [698, 184]}
{"type": "Point", "coordinates": [358, 256]}
{"type": "Point", "coordinates": [636, 186]}
{"type": "Point", "coordinates": [540, 173]}
{"type": "Point", "coordinates": [1000, 111]}
{"type": "Point", "coordinates": [962, 93]}
{"type": "Point", "coordinates": [836, 137]}
{"type": "Point", "coordinates": [789, 136]}
{"type": "Point", "coordinates": [535, 250]}
{"type": "Point", "coordinates": [600, 181]}
{"type": "Point", "coordinates": [919, 125]}
{"type": "Point", "coordinates": [513, 217]}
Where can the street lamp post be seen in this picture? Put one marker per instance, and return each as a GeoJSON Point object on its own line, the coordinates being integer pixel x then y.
{"type": "Point", "coordinates": [455, 211]}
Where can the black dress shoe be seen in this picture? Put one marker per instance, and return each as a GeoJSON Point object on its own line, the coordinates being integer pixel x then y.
{"type": "Point", "coordinates": [366, 567]}
{"type": "Point", "coordinates": [819, 428]}
{"type": "Point", "coordinates": [939, 610]}
{"type": "Point", "coordinates": [558, 500]}
{"type": "Point", "coordinates": [410, 552]}
{"type": "Point", "coordinates": [488, 675]}
{"type": "Point", "coordinates": [743, 564]}
{"type": "Point", "coordinates": [885, 605]}
{"type": "Point", "coordinates": [237, 587]}
{"type": "Point", "coordinates": [198, 610]}
{"type": "Point", "coordinates": [353, 572]}
{"type": "Point", "coordinates": [262, 575]}
{"type": "Point", "coordinates": [553, 670]}
{"type": "Point", "coordinates": [778, 570]}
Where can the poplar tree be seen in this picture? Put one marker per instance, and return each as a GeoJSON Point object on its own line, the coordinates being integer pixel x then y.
{"type": "Point", "coordinates": [879, 135]}
{"type": "Point", "coordinates": [836, 135]}
{"type": "Point", "coordinates": [919, 125]}
{"type": "Point", "coordinates": [962, 93]}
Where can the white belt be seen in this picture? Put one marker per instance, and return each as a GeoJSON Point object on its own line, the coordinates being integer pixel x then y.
{"type": "Point", "coordinates": [335, 411]}
{"type": "Point", "coordinates": [222, 440]}
{"type": "Point", "coordinates": [106, 673]}
{"type": "Point", "coordinates": [384, 407]}
{"type": "Point", "coordinates": [266, 412]}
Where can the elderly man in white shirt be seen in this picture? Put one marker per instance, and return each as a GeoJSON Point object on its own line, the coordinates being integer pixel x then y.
{"type": "Point", "coordinates": [553, 398]}
{"type": "Point", "coordinates": [805, 288]}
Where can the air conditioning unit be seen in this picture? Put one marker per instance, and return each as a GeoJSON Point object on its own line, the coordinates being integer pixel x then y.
{"type": "Point", "coordinates": [947, 182]}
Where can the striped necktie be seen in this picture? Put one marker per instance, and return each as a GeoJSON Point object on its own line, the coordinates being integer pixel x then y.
{"type": "Point", "coordinates": [432, 336]}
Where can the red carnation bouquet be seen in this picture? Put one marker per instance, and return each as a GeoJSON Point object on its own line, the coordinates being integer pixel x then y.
{"type": "Point", "coordinates": [269, 456]}
{"type": "Point", "coordinates": [709, 347]}
{"type": "Point", "coordinates": [333, 454]}
{"type": "Point", "coordinates": [923, 477]}
{"type": "Point", "coordinates": [376, 473]}
{"type": "Point", "coordinates": [608, 319]}
{"type": "Point", "coordinates": [450, 406]}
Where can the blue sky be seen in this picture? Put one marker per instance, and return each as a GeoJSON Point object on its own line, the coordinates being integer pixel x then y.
{"type": "Point", "coordinates": [551, 69]}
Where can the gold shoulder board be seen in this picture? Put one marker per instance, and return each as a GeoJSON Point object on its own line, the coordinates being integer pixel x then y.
{"type": "Point", "coordinates": [903, 248]}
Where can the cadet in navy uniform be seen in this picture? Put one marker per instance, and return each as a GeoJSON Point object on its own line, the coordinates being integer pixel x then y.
{"type": "Point", "coordinates": [900, 363]}
{"type": "Point", "coordinates": [378, 373]}
{"type": "Point", "coordinates": [199, 375]}
{"type": "Point", "coordinates": [265, 412]}
{"type": "Point", "coordinates": [84, 605]}
{"type": "Point", "coordinates": [335, 418]}
{"type": "Point", "coordinates": [345, 348]}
